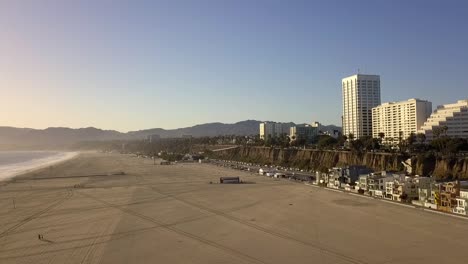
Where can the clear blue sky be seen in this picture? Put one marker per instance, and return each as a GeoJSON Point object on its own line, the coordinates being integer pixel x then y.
{"type": "Point", "coordinates": [131, 65]}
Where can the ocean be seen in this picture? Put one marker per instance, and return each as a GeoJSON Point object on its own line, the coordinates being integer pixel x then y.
{"type": "Point", "coordinates": [13, 163]}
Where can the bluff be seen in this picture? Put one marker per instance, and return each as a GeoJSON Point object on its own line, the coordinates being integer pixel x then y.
{"type": "Point", "coordinates": [324, 159]}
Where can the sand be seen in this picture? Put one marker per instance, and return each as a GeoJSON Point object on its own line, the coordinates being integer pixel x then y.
{"type": "Point", "coordinates": [172, 214]}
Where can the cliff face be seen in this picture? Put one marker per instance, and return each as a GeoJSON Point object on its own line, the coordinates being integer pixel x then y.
{"type": "Point", "coordinates": [451, 168]}
{"type": "Point", "coordinates": [311, 159]}
{"type": "Point", "coordinates": [322, 160]}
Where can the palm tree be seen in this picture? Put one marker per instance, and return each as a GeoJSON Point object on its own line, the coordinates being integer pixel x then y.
{"type": "Point", "coordinates": [421, 138]}
{"type": "Point", "coordinates": [381, 136]}
{"type": "Point", "coordinates": [436, 131]}
{"type": "Point", "coordinates": [351, 136]}
{"type": "Point", "coordinates": [444, 130]}
{"type": "Point", "coordinates": [411, 139]}
{"type": "Point", "coordinates": [439, 131]}
{"type": "Point", "coordinates": [390, 140]}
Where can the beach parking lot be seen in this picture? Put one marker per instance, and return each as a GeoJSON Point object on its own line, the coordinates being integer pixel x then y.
{"type": "Point", "coordinates": [112, 208]}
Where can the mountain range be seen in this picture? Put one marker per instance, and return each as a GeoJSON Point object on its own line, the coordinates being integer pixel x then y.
{"type": "Point", "coordinates": [12, 136]}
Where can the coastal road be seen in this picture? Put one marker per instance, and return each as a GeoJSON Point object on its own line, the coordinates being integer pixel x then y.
{"type": "Point", "coordinates": [90, 212]}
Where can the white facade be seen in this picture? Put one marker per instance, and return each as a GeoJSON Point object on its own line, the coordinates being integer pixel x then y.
{"type": "Point", "coordinates": [405, 186]}
{"type": "Point", "coordinates": [395, 117]}
{"type": "Point", "coordinates": [377, 184]}
{"type": "Point", "coordinates": [389, 190]}
{"type": "Point", "coordinates": [304, 131]}
{"type": "Point", "coordinates": [363, 182]}
{"type": "Point", "coordinates": [273, 129]}
{"type": "Point", "coordinates": [453, 116]}
{"type": "Point", "coordinates": [361, 93]}
{"type": "Point", "coordinates": [462, 203]}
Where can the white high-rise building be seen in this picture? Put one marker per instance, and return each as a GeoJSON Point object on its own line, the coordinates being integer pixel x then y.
{"type": "Point", "coordinates": [361, 93]}
{"type": "Point", "coordinates": [453, 117]}
{"type": "Point", "coordinates": [273, 129]}
{"type": "Point", "coordinates": [308, 132]}
{"type": "Point", "coordinates": [395, 117]}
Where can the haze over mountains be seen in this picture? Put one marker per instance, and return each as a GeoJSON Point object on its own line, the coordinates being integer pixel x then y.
{"type": "Point", "coordinates": [11, 136]}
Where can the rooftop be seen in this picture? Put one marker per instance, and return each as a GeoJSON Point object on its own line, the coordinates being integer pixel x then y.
{"type": "Point", "coordinates": [364, 76]}
{"type": "Point", "coordinates": [406, 101]}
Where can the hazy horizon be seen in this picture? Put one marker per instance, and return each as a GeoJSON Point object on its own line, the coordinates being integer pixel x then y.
{"type": "Point", "coordinates": [149, 128]}
{"type": "Point", "coordinates": [126, 66]}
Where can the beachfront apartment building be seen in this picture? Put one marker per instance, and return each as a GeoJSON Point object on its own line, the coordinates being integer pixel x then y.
{"type": "Point", "coordinates": [399, 119]}
{"type": "Point", "coordinates": [448, 192]}
{"type": "Point", "coordinates": [389, 190]}
{"type": "Point", "coordinates": [273, 129]}
{"type": "Point", "coordinates": [376, 183]}
{"type": "Point", "coordinates": [425, 198]}
{"type": "Point", "coordinates": [462, 203]}
{"type": "Point", "coordinates": [362, 184]}
{"type": "Point", "coordinates": [343, 176]}
{"type": "Point", "coordinates": [402, 188]}
{"type": "Point", "coordinates": [360, 93]}
{"type": "Point", "coordinates": [352, 173]}
{"type": "Point", "coordinates": [449, 119]}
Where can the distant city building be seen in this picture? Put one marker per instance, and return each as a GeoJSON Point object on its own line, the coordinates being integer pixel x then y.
{"type": "Point", "coordinates": [395, 117]}
{"type": "Point", "coordinates": [273, 129]}
{"type": "Point", "coordinates": [153, 138]}
{"type": "Point", "coordinates": [334, 133]}
{"type": "Point", "coordinates": [317, 125]}
{"type": "Point", "coordinates": [453, 117]}
{"type": "Point", "coordinates": [360, 94]}
{"type": "Point", "coordinates": [305, 132]}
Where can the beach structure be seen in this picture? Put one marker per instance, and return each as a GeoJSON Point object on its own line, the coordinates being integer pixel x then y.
{"type": "Point", "coordinates": [229, 180]}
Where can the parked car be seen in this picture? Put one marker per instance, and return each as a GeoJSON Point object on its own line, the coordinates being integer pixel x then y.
{"type": "Point", "coordinates": [280, 175]}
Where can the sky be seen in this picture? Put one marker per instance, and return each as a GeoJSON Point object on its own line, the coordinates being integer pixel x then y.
{"type": "Point", "coordinates": [130, 65]}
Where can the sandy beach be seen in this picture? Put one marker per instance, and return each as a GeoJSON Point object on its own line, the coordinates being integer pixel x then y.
{"type": "Point", "coordinates": [88, 211]}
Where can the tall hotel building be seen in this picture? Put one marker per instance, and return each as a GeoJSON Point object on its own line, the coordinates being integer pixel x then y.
{"type": "Point", "coordinates": [403, 117]}
{"type": "Point", "coordinates": [361, 93]}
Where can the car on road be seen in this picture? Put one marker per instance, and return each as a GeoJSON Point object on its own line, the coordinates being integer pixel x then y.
{"type": "Point", "coordinates": [280, 175]}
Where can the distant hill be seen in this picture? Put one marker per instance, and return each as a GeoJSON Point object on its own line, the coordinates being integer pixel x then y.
{"type": "Point", "coordinates": [248, 127]}
{"type": "Point", "coordinates": [53, 136]}
{"type": "Point", "coordinates": [59, 136]}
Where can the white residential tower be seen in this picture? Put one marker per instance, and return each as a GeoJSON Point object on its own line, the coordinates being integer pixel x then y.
{"type": "Point", "coordinates": [273, 129]}
{"type": "Point", "coordinates": [403, 117]}
{"type": "Point", "coordinates": [361, 93]}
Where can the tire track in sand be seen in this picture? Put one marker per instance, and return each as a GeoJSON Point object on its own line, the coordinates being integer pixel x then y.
{"type": "Point", "coordinates": [173, 229]}
{"type": "Point", "coordinates": [35, 215]}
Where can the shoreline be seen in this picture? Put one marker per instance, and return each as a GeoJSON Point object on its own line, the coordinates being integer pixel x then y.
{"type": "Point", "coordinates": [10, 172]}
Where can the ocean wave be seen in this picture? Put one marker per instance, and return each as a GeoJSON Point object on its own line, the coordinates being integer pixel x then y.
{"type": "Point", "coordinates": [8, 171]}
